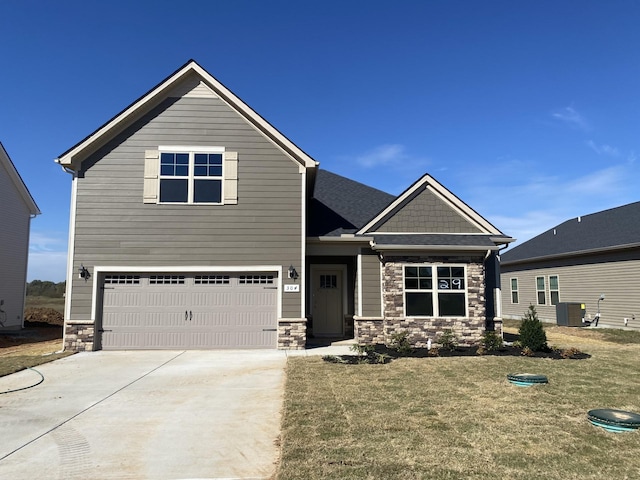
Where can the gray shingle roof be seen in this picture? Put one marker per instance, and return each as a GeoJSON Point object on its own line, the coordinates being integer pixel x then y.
{"type": "Point", "coordinates": [341, 205]}
{"type": "Point", "coordinates": [606, 229]}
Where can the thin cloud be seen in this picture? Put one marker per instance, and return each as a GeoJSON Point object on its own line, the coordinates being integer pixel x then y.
{"type": "Point", "coordinates": [603, 149]}
{"type": "Point", "coordinates": [390, 154]}
{"type": "Point", "coordinates": [528, 208]}
{"type": "Point", "coordinates": [51, 266]}
{"type": "Point", "coordinates": [47, 256]}
{"type": "Point", "coordinates": [569, 116]}
{"type": "Point", "coordinates": [47, 242]}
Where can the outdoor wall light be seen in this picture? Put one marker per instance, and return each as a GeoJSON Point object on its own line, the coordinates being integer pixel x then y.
{"type": "Point", "coordinates": [83, 273]}
{"type": "Point", "coordinates": [293, 273]}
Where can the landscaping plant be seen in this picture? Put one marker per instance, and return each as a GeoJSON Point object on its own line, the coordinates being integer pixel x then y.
{"type": "Point", "coordinates": [447, 340]}
{"type": "Point", "coordinates": [400, 343]}
{"type": "Point", "coordinates": [531, 332]}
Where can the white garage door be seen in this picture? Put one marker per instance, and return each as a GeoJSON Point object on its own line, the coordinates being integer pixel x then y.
{"type": "Point", "coordinates": [190, 311]}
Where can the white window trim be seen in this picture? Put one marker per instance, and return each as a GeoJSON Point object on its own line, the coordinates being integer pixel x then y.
{"type": "Point", "coordinates": [191, 151]}
{"type": "Point", "coordinates": [434, 291]}
{"type": "Point", "coordinates": [544, 290]}
{"type": "Point", "coordinates": [557, 290]}
{"type": "Point", "coordinates": [517, 290]}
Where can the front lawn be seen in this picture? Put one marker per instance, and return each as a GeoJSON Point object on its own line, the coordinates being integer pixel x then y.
{"type": "Point", "coordinates": [459, 418]}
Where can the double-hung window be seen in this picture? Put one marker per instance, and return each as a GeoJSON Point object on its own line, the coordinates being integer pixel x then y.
{"type": "Point", "coordinates": [541, 291]}
{"type": "Point", "coordinates": [554, 290]}
{"type": "Point", "coordinates": [514, 291]}
{"type": "Point", "coordinates": [435, 291]}
{"type": "Point", "coordinates": [191, 176]}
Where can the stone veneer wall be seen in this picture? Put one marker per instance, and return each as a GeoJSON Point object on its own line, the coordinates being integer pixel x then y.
{"type": "Point", "coordinates": [467, 330]}
{"type": "Point", "coordinates": [292, 334]}
{"type": "Point", "coordinates": [79, 337]}
{"type": "Point", "coordinates": [369, 331]}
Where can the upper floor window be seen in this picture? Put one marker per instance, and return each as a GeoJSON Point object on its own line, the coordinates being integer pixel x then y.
{"type": "Point", "coordinates": [191, 177]}
{"type": "Point", "coordinates": [435, 291]}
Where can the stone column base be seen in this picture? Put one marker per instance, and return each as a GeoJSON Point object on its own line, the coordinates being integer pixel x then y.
{"type": "Point", "coordinates": [292, 333]}
{"type": "Point", "coordinates": [79, 336]}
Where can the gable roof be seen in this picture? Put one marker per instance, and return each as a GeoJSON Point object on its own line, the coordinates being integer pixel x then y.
{"type": "Point", "coordinates": [76, 154]}
{"type": "Point", "coordinates": [17, 181]}
{"type": "Point", "coordinates": [615, 228]}
{"type": "Point", "coordinates": [341, 205]}
{"type": "Point", "coordinates": [431, 184]}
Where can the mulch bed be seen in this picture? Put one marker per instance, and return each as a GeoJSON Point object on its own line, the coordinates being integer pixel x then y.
{"type": "Point", "coordinates": [506, 351]}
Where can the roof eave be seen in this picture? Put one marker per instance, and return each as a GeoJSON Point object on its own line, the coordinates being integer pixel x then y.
{"type": "Point", "coordinates": [76, 154]}
{"type": "Point", "coordinates": [576, 253]}
{"type": "Point", "coordinates": [340, 239]}
{"type": "Point", "coordinates": [453, 248]}
{"type": "Point", "coordinates": [428, 182]}
{"type": "Point", "coordinates": [19, 184]}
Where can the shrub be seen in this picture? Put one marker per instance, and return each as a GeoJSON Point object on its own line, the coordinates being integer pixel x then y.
{"type": "Point", "coordinates": [570, 352]}
{"type": "Point", "coordinates": [531, 331]}
{"type": "Point", "coordinates": [400, 343]}
{"type": "Point", "coordinates": [491, 341]}
{"type": "Point", "coordinates": [527, 352]}
{"type": "Point", "coordinates": [448, 340]}
{"type": "Point", "coordinates": [368, 354]}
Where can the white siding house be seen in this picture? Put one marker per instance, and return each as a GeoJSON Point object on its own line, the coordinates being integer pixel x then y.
{"type": "Point", "coordinates": [17, 207]}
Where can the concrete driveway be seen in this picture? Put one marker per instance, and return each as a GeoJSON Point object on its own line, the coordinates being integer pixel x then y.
{"type": "Point", "coordinates": [144, 415]}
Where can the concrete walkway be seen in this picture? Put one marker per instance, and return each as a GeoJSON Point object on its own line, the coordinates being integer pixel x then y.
{"type": "Point", "coordinates": [145, 415]}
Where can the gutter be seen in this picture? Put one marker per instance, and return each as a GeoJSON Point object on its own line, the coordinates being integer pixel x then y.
{"type": "Point", "coordinates": [377, 247]}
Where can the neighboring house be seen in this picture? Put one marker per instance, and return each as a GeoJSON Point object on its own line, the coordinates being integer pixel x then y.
{"type": "Point", "coordinates": [577, 262]}
{"type": "Point", "coordinates": [197, 224]}
{"type": "Point", "coordinates": [17, 208]}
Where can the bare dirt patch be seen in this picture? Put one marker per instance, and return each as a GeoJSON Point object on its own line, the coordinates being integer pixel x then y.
{"type": "Point", "coordinates": [42, 331]}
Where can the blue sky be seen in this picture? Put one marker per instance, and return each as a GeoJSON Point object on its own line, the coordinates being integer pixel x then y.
{"type": "Point", "coordinates": [528, 111]}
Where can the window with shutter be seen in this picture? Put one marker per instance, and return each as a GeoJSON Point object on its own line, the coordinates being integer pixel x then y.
{"type": "Point", "coordinates": [191, 175]}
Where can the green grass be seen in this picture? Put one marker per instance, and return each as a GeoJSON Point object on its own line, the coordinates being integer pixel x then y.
{"type": "Point", "coordinates": [454, 418]}
{"type": "Point", "coordinates": [45, 302]}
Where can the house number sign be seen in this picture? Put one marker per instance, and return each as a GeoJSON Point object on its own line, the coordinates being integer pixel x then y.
{"type": "Point", "coordinates": [292, 288]}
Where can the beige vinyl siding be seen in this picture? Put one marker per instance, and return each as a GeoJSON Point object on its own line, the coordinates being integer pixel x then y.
{"type": "Point", "coordinates": [114, 227]}
{"type": "Point", "coordinates": [583, 283]}
{"type": "Point", "coordinates": [14, 248]}
{"type": "Point", "coordinates": [371, 284]}
{"type": "Point", "coordinates": [427, 213]}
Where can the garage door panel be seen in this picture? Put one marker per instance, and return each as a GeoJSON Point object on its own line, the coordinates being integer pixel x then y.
{"type": "Point", "coordinates": [190, 311]}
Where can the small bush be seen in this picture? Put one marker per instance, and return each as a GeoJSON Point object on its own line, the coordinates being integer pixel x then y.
{"type": "Point", "coordinates": [491, 341]}
{"type": "Point", "coordinates": [448, 340]}
{"type": "Point", "coordinates": [527, 352]}
{"type": "Point", "coordinates": [570, 352]}
{"type": "Point", "coordinates": [531, 331]}
{"type": "Point", "coordinates": [400, 343]}
{"type": "Point", "coordinates": [333, 359]}
{"type": "Point", "coordinates": [433, 352]}
{"type": "Point", "coordinates": [368, 354]}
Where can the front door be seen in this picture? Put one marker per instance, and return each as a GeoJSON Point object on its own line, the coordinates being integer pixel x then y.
{"type": "Point", "coordinates": [327, 303]}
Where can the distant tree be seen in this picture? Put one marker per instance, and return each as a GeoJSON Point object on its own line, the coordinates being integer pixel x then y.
{"type": "Point", "coordinates": [39, 288]}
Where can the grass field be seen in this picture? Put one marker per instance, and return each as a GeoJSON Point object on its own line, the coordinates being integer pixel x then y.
{"type": "Point", "coordinates": [45, 302]}
{"type": "Point", "coordinates": [459, 418]}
